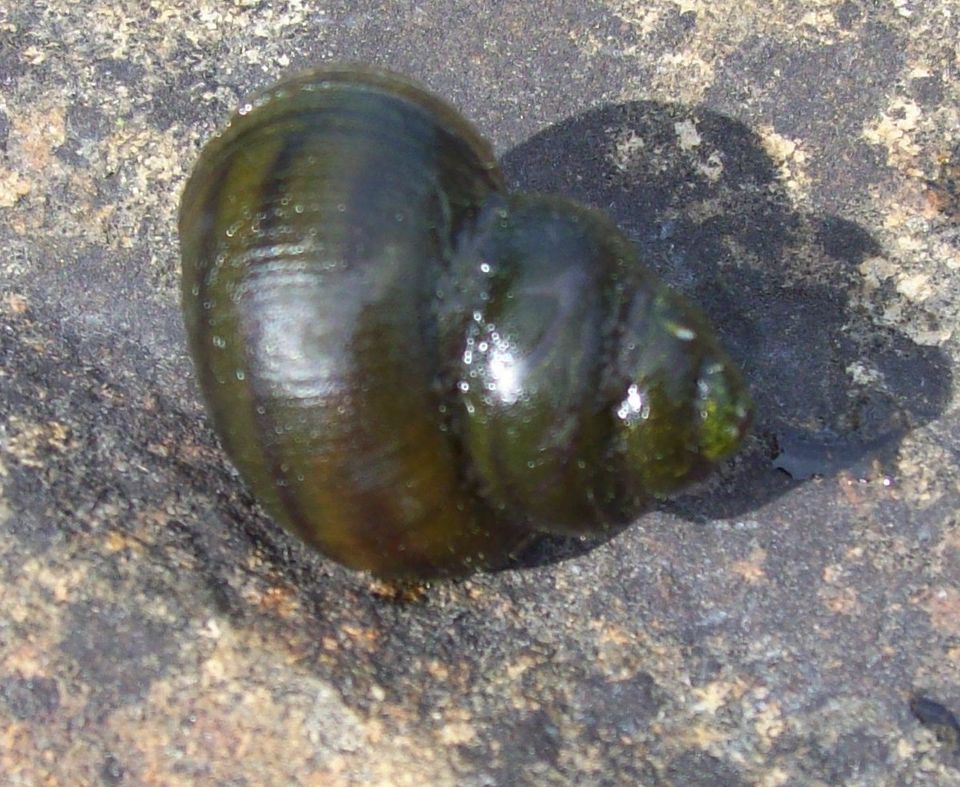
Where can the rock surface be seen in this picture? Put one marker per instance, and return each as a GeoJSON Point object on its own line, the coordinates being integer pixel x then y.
{"type": "Point", "coordinates": [794, 166]}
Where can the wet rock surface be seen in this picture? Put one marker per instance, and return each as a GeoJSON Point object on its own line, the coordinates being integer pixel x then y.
{"type": "Point", "coordinates": [796, 620]}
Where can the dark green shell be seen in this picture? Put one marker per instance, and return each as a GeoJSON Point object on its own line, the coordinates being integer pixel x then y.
{"type": "Point", "coordinates": [412, 369]}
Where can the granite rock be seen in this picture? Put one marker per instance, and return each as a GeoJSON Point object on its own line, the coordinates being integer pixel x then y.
{"type": "Point", "coordinates": [793, 166]}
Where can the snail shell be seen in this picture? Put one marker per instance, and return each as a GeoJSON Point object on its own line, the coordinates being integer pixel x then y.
{"type": "Point", "coordinates": [414, 370]}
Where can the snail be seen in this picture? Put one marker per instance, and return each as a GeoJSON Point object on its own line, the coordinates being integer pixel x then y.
{"type": "Point", "coordinates": [413, 369]}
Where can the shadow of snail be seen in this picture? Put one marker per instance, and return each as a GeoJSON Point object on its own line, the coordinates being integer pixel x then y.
{"type": "Point", "coordinates": [835, 386]}
{"type": "Point", "coordinates": [415, 370]}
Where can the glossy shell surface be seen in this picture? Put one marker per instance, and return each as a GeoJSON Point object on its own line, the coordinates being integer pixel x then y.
{"type": "Point", "coordinates": [413, 370]}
